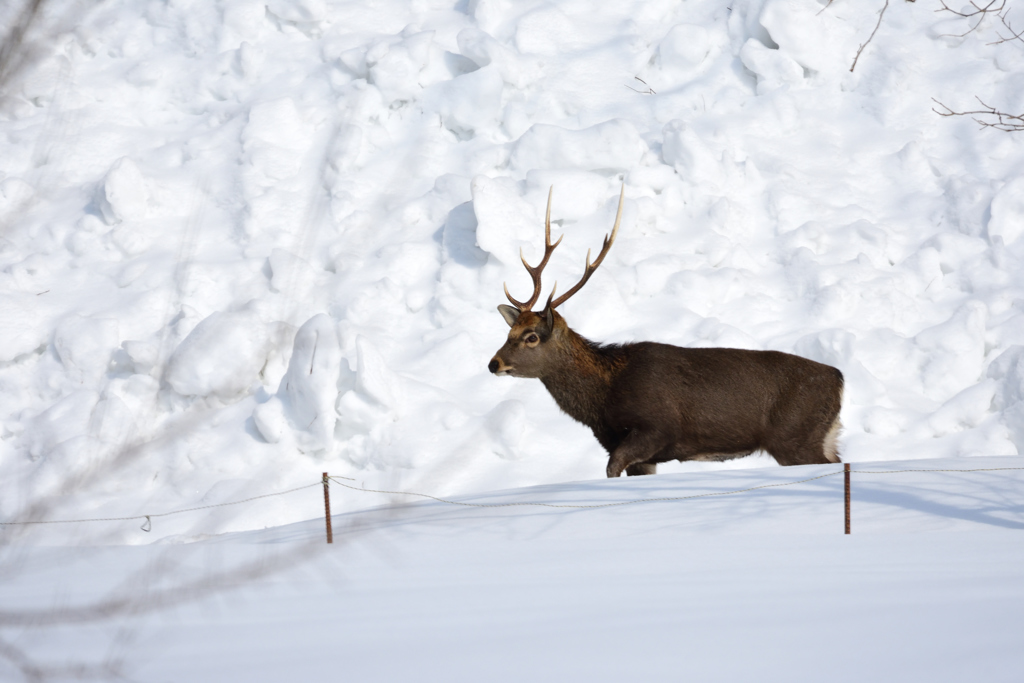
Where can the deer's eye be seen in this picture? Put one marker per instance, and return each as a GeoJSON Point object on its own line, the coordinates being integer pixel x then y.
{"type": "Point", "coordinates": [532, 339]}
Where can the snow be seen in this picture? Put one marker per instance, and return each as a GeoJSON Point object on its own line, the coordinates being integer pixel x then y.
{"type": "Point", "coordinates": [247, 243]}
{"type": "Point", "coordinates": [758, 584]}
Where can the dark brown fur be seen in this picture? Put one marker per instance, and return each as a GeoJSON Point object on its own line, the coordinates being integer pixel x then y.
{"type": "Point", "coordinates": [648, 403]}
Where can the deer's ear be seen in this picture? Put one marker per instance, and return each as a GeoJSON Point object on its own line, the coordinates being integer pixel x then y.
{"type": "Point", "coordinates": [549, 317]}
{"type": "Point", "coordinates": [509, 313]}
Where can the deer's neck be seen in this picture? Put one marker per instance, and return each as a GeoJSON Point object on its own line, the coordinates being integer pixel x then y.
{"type": "Point", "coordinates": [581, 379]}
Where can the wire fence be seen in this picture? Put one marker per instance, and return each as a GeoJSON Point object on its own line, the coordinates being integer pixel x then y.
{"type": "Point", "coordinates": [591, 506]}
{"type": "Point", "coordinates": [147, 525]}
{"type": "Point", "coordinates": [658, 499]}
{"type": "Point", "coordinates": [338, 480]}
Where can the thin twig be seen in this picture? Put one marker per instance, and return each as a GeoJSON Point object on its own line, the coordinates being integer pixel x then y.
{"type": "Point", "coordinates": [1014, 35]}
{"type": "Point", "coordinates": [861, 49]}
{"type": "Point", "coordinates": [649, 91]}
{"type": "Point", "coordinates": [1010, 123]}
{"type": "Point", "coordinates": [979, 11]}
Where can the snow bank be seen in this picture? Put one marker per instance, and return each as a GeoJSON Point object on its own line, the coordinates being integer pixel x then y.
{"type": "Point", "coordinates": [266, 242]}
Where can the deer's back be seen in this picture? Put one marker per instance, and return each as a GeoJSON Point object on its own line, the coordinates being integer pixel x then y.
{"type": "Point", "coordinates": [725, 396]}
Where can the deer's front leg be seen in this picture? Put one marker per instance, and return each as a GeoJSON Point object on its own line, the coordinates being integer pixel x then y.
{"type": "Point", "coordinates": [638, 447]}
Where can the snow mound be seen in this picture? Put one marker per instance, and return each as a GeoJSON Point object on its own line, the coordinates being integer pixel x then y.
{"type": "Point", "coordinates": [246, 243]}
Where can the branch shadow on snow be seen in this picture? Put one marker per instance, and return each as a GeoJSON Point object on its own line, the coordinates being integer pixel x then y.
{"type": "Point", "coordinates": [985, 511]}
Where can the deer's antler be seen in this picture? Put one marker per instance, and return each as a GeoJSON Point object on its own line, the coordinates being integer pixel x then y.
{"type": "Point", "coordinates": [535, 271]}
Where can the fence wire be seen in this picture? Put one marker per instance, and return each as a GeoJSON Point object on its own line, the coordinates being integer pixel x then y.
{"type": "Point", "coordinates": [591, 506]}
{"type": "Point", "coordinates": [579, 506]}
{"type": "Point", "coordinates": [161, 514]}
{"type": "Point", "coordinates": [654, 500]}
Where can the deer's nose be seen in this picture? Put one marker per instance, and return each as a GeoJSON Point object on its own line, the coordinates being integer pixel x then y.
{"type": "Point", "coordinates": [493, 365]}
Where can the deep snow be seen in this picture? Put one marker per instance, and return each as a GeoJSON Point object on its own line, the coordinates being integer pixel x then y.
{"type": "Point", "coordinates": [760, 586]}
{"type": "Point", "coordinates": [251, 242]}
{"type": "Point", "coordinates": [245, 243]}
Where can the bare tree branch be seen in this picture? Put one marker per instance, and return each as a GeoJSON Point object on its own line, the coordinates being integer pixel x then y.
{"type": "Point", "coordinates": [979, 11]}
{"type": "Point", "coordinates": [1014, 35]}
{"type": "Point", "coordinates": [999, 120]}
{"type": "Point", "coordinates": [861, 49]}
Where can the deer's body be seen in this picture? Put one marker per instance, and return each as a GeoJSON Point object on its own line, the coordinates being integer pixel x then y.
{"type": "Point", "coordinates": [648, 402]}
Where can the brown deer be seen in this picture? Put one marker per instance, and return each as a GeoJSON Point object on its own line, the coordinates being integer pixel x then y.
{"type": "Point", "coordinates": [648, 402]}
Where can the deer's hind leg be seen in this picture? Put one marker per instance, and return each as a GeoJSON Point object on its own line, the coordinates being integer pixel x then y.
{"type": "Point", "coordinates": [634, 452]}
{"type": "Point", "coordinates": [641, 468]}
{"type": "Point", "coordinates": [815, 447]}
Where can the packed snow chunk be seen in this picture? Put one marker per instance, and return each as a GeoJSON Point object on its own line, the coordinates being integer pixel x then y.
{"type": "Point", "coordinates": [85, 345]}
{"type": "Point", "coordinates": [965, 410]}
{"type": "Point", "coordinates": [15, 194]}
{"type": "Point", "coordinates": [276, 138]}
{"type": "Point", "coordinates": [1007, 218]}
{"type": "Point", "coordinates": [43, 79]}
{"type": "Point", "coordinates": [64, 420]}
{"type": "Point", "coordinates": [575, 194]}
{"type": "Point", "coordinates": [244, 25]}
{"type": "Point", "coordinates": [123, 195]}
{"type": "Point", "coordinates": [459, 242]}
{"type": "Point", "coordinates": [477, 46]}
{"type": "Point", "coordinates": [955, 351]}
{"type": "Point", "coordinates": [685, 47]}
{"type": "Point", "coordinates": [299, 11]}
{"type": "Point", "coordinates": [270, 419]}
{"type": "Point", "coordinates": [831, 347]}
{"type": "Point", "coordinates": [483, 50]}
{"type": "Point", "coordinates": [815, 36]}
{"type": "Point", "coordinates": [373, 376]}
{"type": "Point", "coordinates": [773, 68]}
{"type": "Point", "coordinates": [506, 425]}
{"type": "Point", "coordinates": [309, 388]}
{"type": "Point", "coordinates": [682, 149]}
{"type": "Point", "coordinates": [470, 103]}
{"type": "Point", "coordinates": [112, 422]}
{"type": "Point", "coordinates": [22, 328]}
{"type": "Point", "coordinates": [505, 222]}
{"type": "Point", "coordinates": [1008, 370]}
{"type": "Point", "coordinates": [290, 274]}
{"type": "Point", "coordinates": [144, 355]}
{"type": "Point", "coordinates": [222, 356]}
{"type": "Point", "coordinates": [395, 68]}
{"type": "Point", "coordinates": [549, 29]}
{"type": "Point", "coordinates": [278, 122]}
{"type": "Point", "coordinates": [614, 145]}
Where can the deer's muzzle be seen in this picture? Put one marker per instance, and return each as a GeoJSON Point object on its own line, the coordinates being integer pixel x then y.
{"type": "Point", "coordinates": [498, 367]}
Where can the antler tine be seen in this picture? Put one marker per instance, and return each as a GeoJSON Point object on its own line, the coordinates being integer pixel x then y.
{"type": "Point", "coordinates": [535, 271]}
{"type": "Point", "coordinates": [591, 267]}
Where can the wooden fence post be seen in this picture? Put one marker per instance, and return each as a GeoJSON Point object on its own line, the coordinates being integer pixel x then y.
{"type": "Point", "coordinates": [846, 478]}
{"type": "Point", "coordinates": [327, 509]}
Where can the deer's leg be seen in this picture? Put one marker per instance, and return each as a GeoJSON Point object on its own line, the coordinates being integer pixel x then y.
{"type": "Point", "coordinates": [636, 449]}
{"type": "Point", "coordinates": [641, 468]}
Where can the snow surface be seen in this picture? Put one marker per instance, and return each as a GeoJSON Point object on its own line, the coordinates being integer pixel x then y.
{"type": "Point", "coordinates": [761, 586]}
{"type": "Point", "coordinates": [248, 242]}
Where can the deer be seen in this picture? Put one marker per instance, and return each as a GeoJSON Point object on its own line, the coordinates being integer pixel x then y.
{"type": "Point", "coordinates": [649, 402]}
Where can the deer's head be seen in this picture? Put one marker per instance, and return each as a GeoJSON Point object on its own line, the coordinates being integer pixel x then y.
{"type": "Point", "coordinates": [528, 350]}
